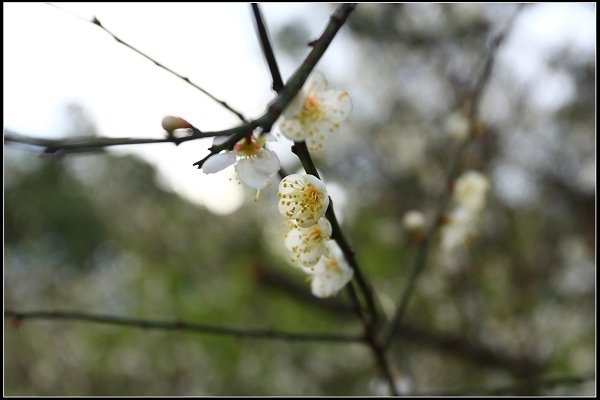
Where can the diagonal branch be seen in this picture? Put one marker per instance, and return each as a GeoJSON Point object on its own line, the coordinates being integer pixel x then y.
{"type": "Point", "coordinates": [300, 149]}
{"type": "Point", "coordinates": [423, 250]}
{"type": "Point", "coordinates": [19, 316]}
{"type": "Point", "coordinates": [187, 80]}
{"type": "Point", "coordinates": [266, 121]}
{"type": "Point", "coordinates": [267, 48]}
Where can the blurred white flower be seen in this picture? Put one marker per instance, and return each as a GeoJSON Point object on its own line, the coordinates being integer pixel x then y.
{"type": "Point", "coordinates": [307, 245]}
{"type": "Point", "coordinates": [457, 126]}
{"type": "Point", "coordinates": [331, 273]}
{"type": "Point", "coordinates": [315, 112]}
{"type": "Point", "coordinates": [469, 194]}
{"type": "Point", "coordinates": [413, 221]}
{"type": "Point", "coordinates": [302, 198]}
{"type": "Point", "coordinates": [459, 228]}
{"type": "Point", "coordinates": [254, 164]}
{"type": "Point", "coordinates": [470, 190]}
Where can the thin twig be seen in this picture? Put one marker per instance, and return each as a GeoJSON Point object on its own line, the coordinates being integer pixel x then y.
{"type": "Point", "coordinates": [187, 80]}
{"type": "Point", "coordinates": [266, 121]}
{"type": "Point", "coordinates": [267, 48]}
{"type": "Point", "coordinates": [423, 250]}
{"type": "Point", "coordinates": [82, 144]}
{"type": "Point", "coordinates": [182, 326]}
{"type": "Point", "coordinates": [453, 344]}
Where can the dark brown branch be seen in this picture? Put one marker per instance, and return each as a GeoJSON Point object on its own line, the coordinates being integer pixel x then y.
{"type": "Point", "coordinates": [455, 345]}
{"type": "Point", "coordinates": [267, 48]}
{"type": "Point", "coordinates": [182, 326]}
{"type": "Point", "coordinates": [271, 278]}
{"type": "Point", "coordinates": [187, 80]}
{"type": "Point", "coordinates": [422, 252]}
{"type": "Point", "coordinates": [266, 121]}
{"type": "Point", "coordinates": [83, 144]}
{"type": "Point", "coordinates": [466, 349]}
{"type": "Point", "coordinates": [303, 154]}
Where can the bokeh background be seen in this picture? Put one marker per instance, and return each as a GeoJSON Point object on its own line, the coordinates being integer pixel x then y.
{"type": "Point", "coordinates": [139, 232]}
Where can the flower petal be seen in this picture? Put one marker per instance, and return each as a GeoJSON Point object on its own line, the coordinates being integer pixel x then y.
{"type": "Point", "coordinates": [218, 162]}
{"type": "Point", "coordinates": [292, 129]}
{"type": "Point", "coordinates": [302, 198]}
{"type": "Point", "coordinates": [249, 174]}
{"type": "Point", "coordinates": [315, 82]}
{"type": "Point", "coordinates": [269, 137]}
{"type": "Point", "coordinates": [315, 141]}
{"type": "Point", "coordinates": [267, 162]}
{"type": "Point", "coordinates": [294, 107]}
{"type": "Point", "coordinates": [336, 104]}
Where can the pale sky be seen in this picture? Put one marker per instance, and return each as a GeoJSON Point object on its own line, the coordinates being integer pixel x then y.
{"type": "Point", "coordinates": [52, 58]}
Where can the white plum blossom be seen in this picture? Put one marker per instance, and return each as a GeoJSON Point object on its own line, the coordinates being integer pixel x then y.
{"type": "Point", "coordinates": [470, 190]}
{"type": "Point", "coordinates": [460, 227]}
{"type": "Point", "coordinates": [458, 126]}
{"type": "Point", "coordinates": [413, 221]}
{"type": "Point", "coordinates": [315, 112]}
{"type": "Point", "coordinates": [307, 245]}
{"type": "Point", "coordinates": [302, 198]}
{"type": "Point", "coordinates": [254, 164]}
{"type": "Point", "coordinates": [331, 273]}
{"type": "Point", "coordinates": [462, 223]}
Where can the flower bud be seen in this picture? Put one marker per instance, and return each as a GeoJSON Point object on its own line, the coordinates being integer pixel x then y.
{"type": "Point", "coordinates": [171, 123]}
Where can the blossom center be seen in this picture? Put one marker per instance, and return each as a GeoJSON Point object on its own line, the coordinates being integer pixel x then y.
{"type": "Point", "coordinates": [248, 146]}
{"type": "Point", "coordinates": [314, 234]}
{"type": "Point", "coordinates": [311, 109]}
{"type": "Point", "coordinates": [333, 264]}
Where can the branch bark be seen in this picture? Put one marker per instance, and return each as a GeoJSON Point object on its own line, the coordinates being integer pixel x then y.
{"type": "Point", "coordinates": [19, 316]}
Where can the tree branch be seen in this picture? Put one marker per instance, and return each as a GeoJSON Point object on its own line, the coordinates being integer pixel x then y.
{"type": "Point", "coordinates": [266, 121]}
{"type": "Point", "coordinates": [83, 144]}
{"type": "Point", "coordinates": [300, 149]}
{"type": "Point", "coordinates": [267, 48]}
{"type": "Point", "coordinates": [455, 345]}
{"type": "Point", "coordinates": [303, 154]}
{"type": "Point", "coordinates": [19, 316]}
{"type": "Point", "coordinates": [422, 252]}
{"type": "Point", "coordinates": [187, 80]}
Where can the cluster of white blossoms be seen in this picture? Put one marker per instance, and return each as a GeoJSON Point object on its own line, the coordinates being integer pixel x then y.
{"type": "Point", "coordinates": [469, 196]}
{"type": "Point", "coordinates": [303, 200]}
{"type": "Point", "coordinates": [313, 113]}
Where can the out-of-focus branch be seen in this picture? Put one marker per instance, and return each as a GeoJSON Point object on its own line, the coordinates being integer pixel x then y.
{"type": "Point", "coordinates": [271, 278]}
{"type": "Point", "coordinates": [423, 250]}
{"type": "Point", "coordinates": [519, 388]}
{"type": "Point", "coordinates": [19, 316]}
{"type": "Point", "coordinates": [187, 80]}
{"type": "Point", "coordinates": [455, 345]}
